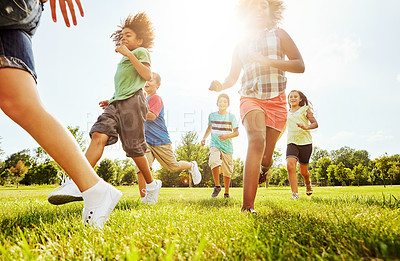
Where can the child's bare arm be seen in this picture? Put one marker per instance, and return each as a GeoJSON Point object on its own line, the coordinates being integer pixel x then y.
{"type": "Point", "coordinates": [233, 134]}
{"type": "Point", "coordinates": [313, 122]}
{"type": "Point", "coordinates": [233, 76]}
{"type": "Point", "coordinates": [295, 64]}
{"type": "Point", "coordinates": [151, 116]}
{"type": "Point", "coordinates": [208, 131]}
{"type": "Point", "coordinates": [142, 68]}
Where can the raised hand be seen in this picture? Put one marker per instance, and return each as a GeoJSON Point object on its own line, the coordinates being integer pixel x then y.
{"type": "Point", "coordinates": [215, 86]}
{"type": "Point", "coordinates": [103, 104]}
{"type": "Point", "coordinates": [63, 8]}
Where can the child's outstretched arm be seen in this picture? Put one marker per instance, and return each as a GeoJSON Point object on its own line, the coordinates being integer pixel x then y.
{"type": "Point", "coordinates": [142, 68]}
{"type": "Point", "coordinates": [313, 122]}
{"type": "Point", "coordinates": [208, 131]}
{"type": "Point", "coordinates": [295, 64]}
{"type": "Point", "coordinates": [233, 76]}
{"type": "Point", "coordinates": [233, 134]}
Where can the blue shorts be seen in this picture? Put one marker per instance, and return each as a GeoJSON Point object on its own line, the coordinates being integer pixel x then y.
{"type": "Point", "coordinates": [19, 20]}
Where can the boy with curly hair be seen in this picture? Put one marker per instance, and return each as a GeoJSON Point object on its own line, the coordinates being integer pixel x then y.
{"type": "Point", "coordinates": [125, 113]}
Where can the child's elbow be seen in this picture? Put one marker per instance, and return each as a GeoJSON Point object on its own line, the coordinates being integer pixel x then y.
{"type": "Point", "coordinates": [302, 67]}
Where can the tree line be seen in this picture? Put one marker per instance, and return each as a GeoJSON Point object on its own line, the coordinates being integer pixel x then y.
{"type": "Point", "coordinates": [345, 166]}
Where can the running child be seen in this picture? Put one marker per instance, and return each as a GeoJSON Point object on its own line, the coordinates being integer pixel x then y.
{"type": "Point", "coordinates": [157, 138]}
{"type": "Point", "coordinates": [125, 113]}
{"type": "Point", "coordinates": [20, 101]}
{"type": "Point", "coordinates": [299, 142]}
{"type": "Point", "coordinates": [223, 127]}
{"type": "Point", "coordinates": [261, 56]}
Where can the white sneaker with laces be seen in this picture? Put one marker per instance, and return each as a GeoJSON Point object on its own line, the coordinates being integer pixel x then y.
{"type": "Point", "coordinates": [97, 215]}
{"type": "Point", "coordinates": [66, 192]}
{"type": "Point", "coordinates": [151, 194]}
{"type": "Point", "coordinates": [194, 171]}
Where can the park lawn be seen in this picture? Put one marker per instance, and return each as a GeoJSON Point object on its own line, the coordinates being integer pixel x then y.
{"type": "Point", "coordinates": [336, 223]}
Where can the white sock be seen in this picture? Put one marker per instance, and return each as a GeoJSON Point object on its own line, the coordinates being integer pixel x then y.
{"type": "Point", "coordinates": [94, 195]}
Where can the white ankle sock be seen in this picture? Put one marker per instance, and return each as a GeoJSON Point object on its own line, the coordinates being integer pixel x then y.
{"type": "Point", "coordinates": [94, 196]}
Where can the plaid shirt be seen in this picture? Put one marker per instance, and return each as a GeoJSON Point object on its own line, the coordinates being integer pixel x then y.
{"type": "Point", "coordinates": [262, 82]}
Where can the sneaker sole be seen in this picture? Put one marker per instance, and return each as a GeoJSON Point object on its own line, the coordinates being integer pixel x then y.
{"type": "Point", "coordinates": [63, 199]}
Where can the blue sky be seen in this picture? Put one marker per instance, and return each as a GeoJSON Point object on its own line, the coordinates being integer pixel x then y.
{"type": "Point", "coordinates": [350, 49]}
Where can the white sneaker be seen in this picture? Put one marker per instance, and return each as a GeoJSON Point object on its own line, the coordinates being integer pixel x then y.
{"type": "Point", "coordinates": [97, 216]}
{"type": "Point", "coordinates": [295, 196]}
{"type": "Point", "coordinates": [151, 194]}
{"type": "Point", "coordinates": [194, 171]}
{"type": "Point", "coordinates": [65, 193]}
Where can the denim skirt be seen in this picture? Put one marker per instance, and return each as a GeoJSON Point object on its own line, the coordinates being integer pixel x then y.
{"type": "Point", "coordinates": [19, 20]}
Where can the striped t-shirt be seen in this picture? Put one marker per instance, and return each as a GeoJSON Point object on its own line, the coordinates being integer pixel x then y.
{"type": "Point", "coordinates": [262, 82]}
{"type": "Point", "coordinates": [222, 124]}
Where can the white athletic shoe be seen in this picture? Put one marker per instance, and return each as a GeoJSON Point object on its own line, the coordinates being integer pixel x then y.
{"type": "Point", "coordinates": [194, 171]}
{"type": "Point", "coordinates": [65, 193]}
{"type": "Point", "coordinates": [151, 194]}
{"type": "Point", "coordinates": [295, 196]}
{"type": "Point", "coordinates": [97, 216]}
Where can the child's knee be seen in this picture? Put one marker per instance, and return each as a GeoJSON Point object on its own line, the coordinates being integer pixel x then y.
{"type": "Point", "coordinates": [257, 142]}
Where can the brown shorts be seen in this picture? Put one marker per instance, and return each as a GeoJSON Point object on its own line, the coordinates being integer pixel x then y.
{"type": "Point", "coordinates": [219, 158]}
{"type": "Point", "coordinates": [125, 118]}
{"type": "Point", "coordinates": [164, 155]}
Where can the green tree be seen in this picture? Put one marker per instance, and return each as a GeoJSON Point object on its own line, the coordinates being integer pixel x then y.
{"type": "Point", "coordinates": [359, 173]}
{"type": "Point", "coordinates": [237, 175]}
{"type": "Point", "coordinates": [190, 150]}
{"type": "Point", "coordinates": [383, 164]}
{"type": "Point", "coordinates": [128, 172]}
{"type": "Point", "coordinates": [343, 155]}
{"type": "Point", "coordinates": [393, 172]}
{"type": "Point", "coordinates": [342, 174]}
{"type": "Point", "coordinates": [18, 172]}
{"type": "Point", "coordinates": [106, 170]}
{"type": "Point", "coordinates": [279, 176]}
{"type": "Point", "coordinates": [330, 171]}
{"type": "Point", "coordinates": [79, 136]}
{"type": "Point", "coordinates": [322, 170]}
{"type": "Point", "coordinates": [361, 157]}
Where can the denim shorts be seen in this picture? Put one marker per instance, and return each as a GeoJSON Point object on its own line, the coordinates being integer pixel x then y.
{"type": "Point", "coordinates": [16, 51]}
{"type": "Point", "coordinates": [19, 20]}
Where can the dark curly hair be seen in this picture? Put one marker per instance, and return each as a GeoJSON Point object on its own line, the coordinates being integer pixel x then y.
{"type": "Point", "coordinates": [141, 25]}
{"type": "Point", "coordinates": [276, 9]}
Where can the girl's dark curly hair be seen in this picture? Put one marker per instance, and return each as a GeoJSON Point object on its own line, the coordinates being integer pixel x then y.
{"type": "Point", "coordinates": [275, 10]}
{"type": "Point", "coordinates": [141, 25]}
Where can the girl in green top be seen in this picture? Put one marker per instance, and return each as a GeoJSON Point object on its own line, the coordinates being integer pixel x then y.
{"type": "Point", "coordinates": [300, 121]}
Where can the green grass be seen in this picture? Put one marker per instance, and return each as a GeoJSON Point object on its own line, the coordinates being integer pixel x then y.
{"type": "Point", "coordinates": [336, 223]}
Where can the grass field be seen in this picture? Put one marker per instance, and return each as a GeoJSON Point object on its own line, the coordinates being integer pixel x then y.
{"type": "Point", "coordinates": [336, 223]}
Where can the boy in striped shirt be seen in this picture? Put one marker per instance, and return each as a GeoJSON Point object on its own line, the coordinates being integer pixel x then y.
{"type": "Point", "coordinates": [223, 127]}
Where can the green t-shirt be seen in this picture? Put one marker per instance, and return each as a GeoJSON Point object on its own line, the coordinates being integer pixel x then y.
{"type": "Point", "coordinates": [222, 124]}
{"type": "Point", "coordinates": [127, 80]}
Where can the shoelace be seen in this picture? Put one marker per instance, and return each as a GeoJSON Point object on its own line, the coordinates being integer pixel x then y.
{"type": "Point", "coordinates": [64, 180]}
